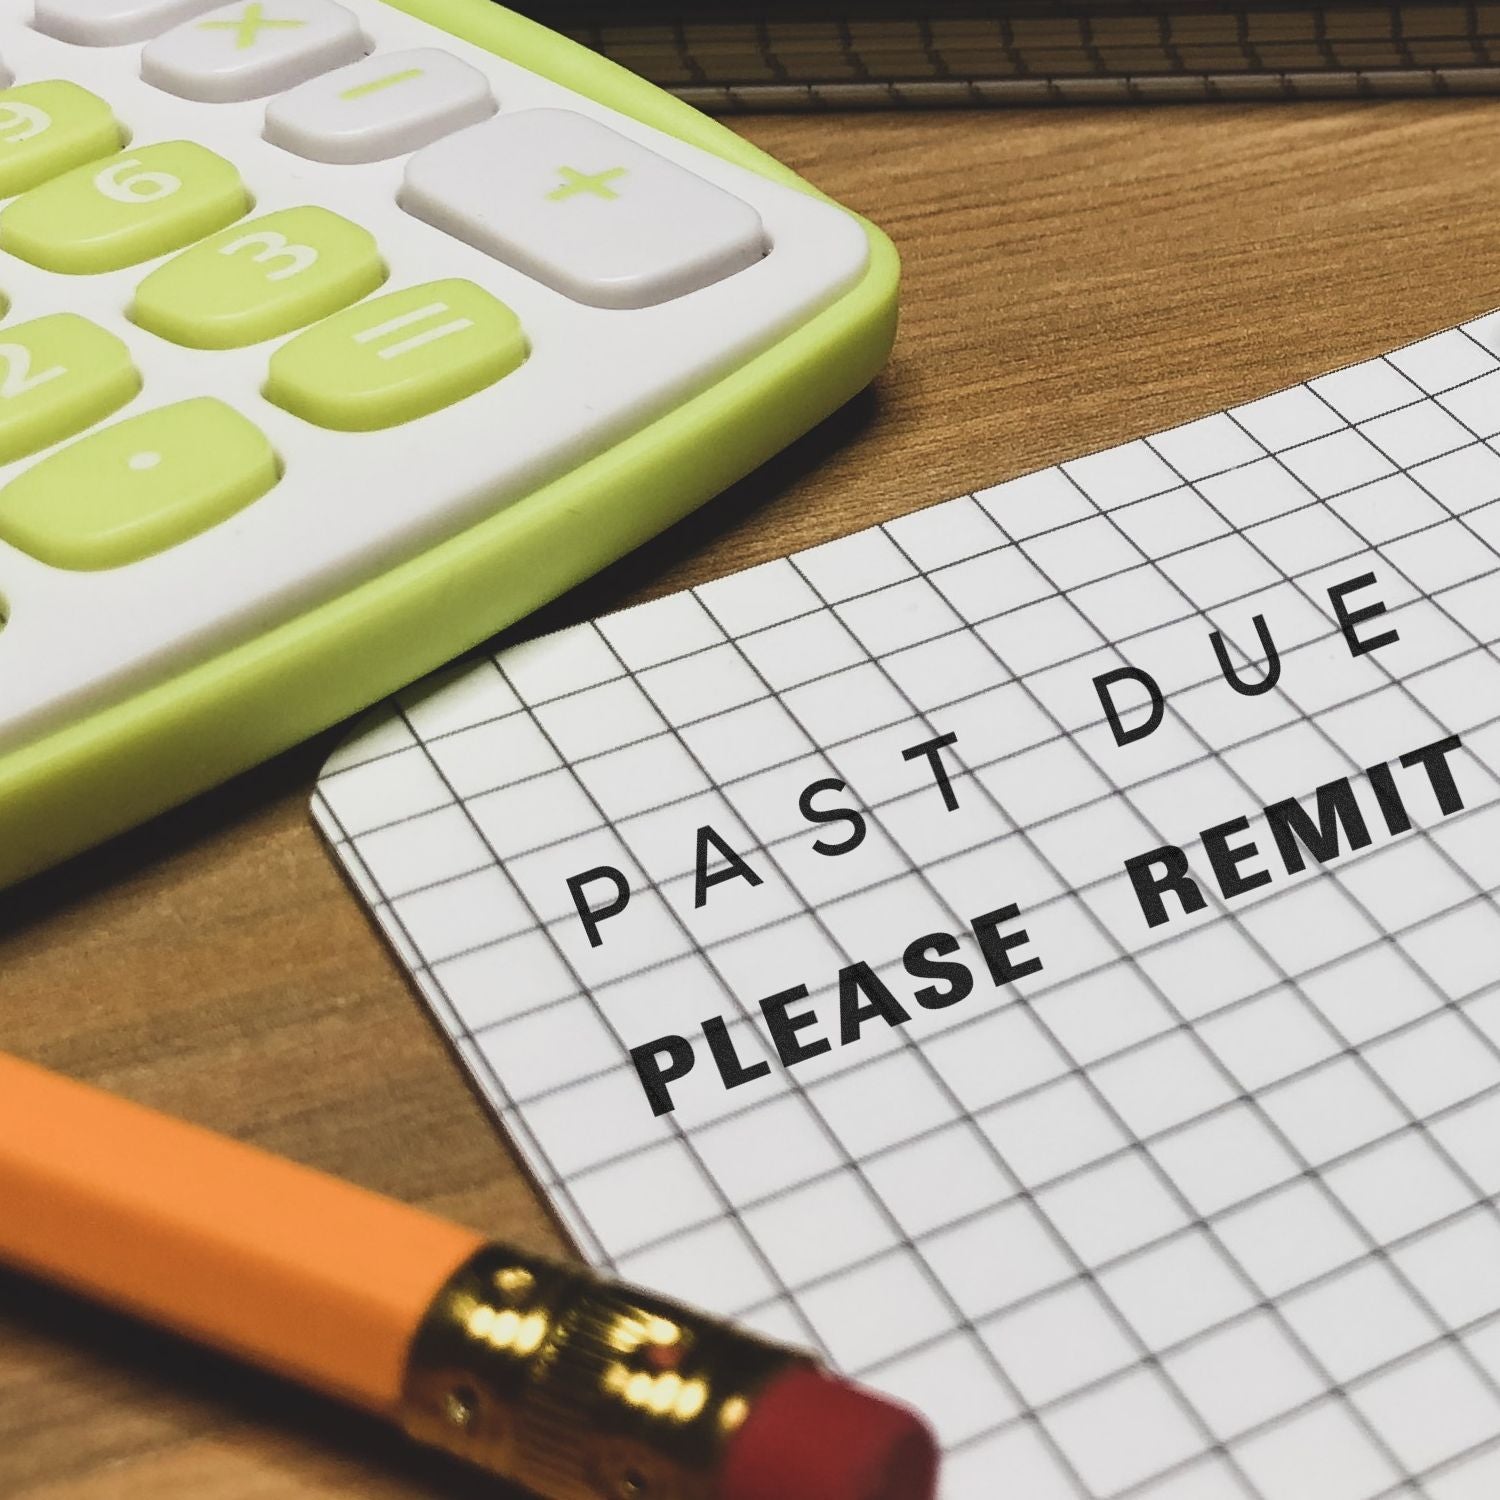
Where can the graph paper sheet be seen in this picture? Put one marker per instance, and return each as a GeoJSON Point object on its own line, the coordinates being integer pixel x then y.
{"type": "Point", "coordinates": [1205, 1209]}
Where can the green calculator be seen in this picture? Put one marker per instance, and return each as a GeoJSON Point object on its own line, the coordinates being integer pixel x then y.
{"type": "Point", "coordinates": [340, 334]}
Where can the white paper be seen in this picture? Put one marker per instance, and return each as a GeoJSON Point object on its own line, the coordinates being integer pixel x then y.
{"type": "Point", "coordinates": [1197, 1210]}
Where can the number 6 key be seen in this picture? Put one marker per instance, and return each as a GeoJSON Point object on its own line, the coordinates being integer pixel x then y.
{"type": "Point", "coordinates": [129, 208]}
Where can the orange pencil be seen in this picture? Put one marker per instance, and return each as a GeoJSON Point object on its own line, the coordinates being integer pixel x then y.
{"type": "Point", "coordinates": [542, 1373]}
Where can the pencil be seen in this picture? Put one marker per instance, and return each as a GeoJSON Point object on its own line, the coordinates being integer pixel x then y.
{"type": "Point", "coordinates": [577, 1388]}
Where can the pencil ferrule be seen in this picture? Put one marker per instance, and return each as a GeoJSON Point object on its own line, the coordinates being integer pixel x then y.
{"type": "Point", "coordinates": [577, 1388]}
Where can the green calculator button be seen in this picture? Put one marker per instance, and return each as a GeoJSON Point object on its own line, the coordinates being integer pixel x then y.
{"type": "Point", "coordinates": [58, 375]}
{"type": "Point", "coordinates": [138, 487]}
{"type": "Point", "coordinates": [258, 280]}
{"type": "Point", "coordinates": [45, 128]}
{"type": "Point", "coordinates": [397, 357]}
{"type": "Point", "coordinates": [125, 209]}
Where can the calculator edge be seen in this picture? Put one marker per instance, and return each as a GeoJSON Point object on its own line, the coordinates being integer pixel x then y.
{"type": "Point", "coordinates": [130, 761]}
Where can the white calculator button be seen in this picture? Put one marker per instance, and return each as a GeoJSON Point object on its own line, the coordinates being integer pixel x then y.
{"type": "Point", "coordinates": [379, 107]}
{"type": "Point", "coordinates": [251, 48]}
{"type": "Point", "coordinates": [107, 23]}
{"type": "Point", "coordinates": [582, 209]}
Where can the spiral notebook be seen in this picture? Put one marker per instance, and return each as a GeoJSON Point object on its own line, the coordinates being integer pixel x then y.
{"type": "Point", "coordinates": [1042, 953]}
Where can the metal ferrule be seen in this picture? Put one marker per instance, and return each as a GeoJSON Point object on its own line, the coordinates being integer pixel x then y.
{"type": "Point", "coordinates": [580, 1389]}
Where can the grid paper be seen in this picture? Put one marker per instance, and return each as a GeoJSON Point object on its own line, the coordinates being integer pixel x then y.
{"type": "Point", "coordinates": [1196, 1211]}
{"type": "Point", "coordinates": [801, 56]}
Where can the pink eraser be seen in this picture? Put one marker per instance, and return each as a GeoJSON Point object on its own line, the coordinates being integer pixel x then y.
{"type": "Point", "coordinates": [812, 1436]}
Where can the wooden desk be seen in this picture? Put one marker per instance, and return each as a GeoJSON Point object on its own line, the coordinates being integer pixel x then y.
{"type": "Point", "coordinates": [1073, 279]}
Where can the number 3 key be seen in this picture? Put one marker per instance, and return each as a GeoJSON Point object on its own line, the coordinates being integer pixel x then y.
{"type": "Point", "coordinates": [260, 279]}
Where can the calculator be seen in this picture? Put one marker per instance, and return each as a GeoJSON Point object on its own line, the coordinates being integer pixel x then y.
{"type": "Point", "coordinates": [339, 335]}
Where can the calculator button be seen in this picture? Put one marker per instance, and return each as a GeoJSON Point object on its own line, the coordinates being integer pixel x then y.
{"type": "Point", "coordinates": [582, 209]}
{"type": "Point", "coordinates": [126, 209]}
{"type": "Point", "coordinates": [138, 487]}
{"type": "Point", "coordinates": [45, 128]}
{"type": "Point", "coordinates": [379, 107]}
{"type": "Point", "coordinates": [259, 279]}
{"type": "Point", "coordinates": [400, 356]}
{"type": "Point", "coordinates": [106, 23]}
{"type": "Point", "coordinates": [252, 48]}
{"type": "Point", "coordinates": [58, 375]}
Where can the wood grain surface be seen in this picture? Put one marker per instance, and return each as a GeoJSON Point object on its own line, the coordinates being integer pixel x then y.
{"type": "Point", "coordinates": [1073, 279]}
